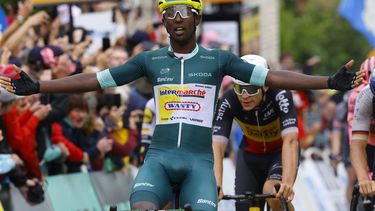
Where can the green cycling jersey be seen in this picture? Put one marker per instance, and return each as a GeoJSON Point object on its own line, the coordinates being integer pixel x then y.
{"type": "Point", "coordinates": [185, 91]}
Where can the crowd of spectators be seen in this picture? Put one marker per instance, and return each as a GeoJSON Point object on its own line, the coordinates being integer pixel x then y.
{"type": "Point", "coordinates": [52, 134]}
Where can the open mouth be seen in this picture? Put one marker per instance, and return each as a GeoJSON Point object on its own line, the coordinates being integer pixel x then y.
{"type": "Point", "coordinates": [179, 30]}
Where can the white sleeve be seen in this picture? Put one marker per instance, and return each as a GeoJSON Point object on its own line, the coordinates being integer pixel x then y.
{"type": "Point", "coordinates": [362, 114]}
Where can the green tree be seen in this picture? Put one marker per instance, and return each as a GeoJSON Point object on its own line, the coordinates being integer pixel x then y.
{"type": "Point", "coordinates": [320, 30]}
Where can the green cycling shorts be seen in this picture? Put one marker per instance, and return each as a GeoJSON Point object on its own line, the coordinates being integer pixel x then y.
{"type": "Point", "coordinates": [162, 168]}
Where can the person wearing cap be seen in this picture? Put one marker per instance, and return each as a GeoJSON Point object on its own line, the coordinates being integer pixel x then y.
{"type": "Point", "coordinates": [269, 151]}
{"type": "Point", "coordinates": [186, 79]}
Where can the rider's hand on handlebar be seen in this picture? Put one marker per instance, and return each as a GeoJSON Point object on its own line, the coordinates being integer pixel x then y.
{"type": "Point", "coordinates": [220, 193]}
{"type": "Point", "coordinates": [367, 187]}
{"type": "Point", "coordinates": [286, 191]}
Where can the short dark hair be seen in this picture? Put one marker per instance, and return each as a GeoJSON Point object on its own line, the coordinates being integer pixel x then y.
{"type": "Point", "coordinates": [78, 101]}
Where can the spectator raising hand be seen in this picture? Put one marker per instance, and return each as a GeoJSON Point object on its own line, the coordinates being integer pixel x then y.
{"type": "Point", "coordinates": [104, 145]}
{"type": "Point", "coordinates": [42, 111]}
{"type": "Point", "coordinates": [18, 36]}
{"type": "Point", "coordinates": [5, 56]}
{"type": "Point", "coordinates": [39, 18]}
{"type": "Point", "coordinates": [25, 8]}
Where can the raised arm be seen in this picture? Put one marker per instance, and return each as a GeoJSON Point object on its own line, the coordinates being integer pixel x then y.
{"type": "Point", "coordinates": [34, 20]}
{"type": "Point", "coordinates": [22, 84]}
{"type": "Point", "coordinates": [342, 80]}
{"type": "Point", "coordinates": [83, 82]}
{"type": "Point", "coordinates": [24, 10]}
{"type": "Point", "coordinates": [295, 81]}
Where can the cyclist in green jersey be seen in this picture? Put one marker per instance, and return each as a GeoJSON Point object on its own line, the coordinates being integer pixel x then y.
{"type": "Point", "coordinates": [186, 78]}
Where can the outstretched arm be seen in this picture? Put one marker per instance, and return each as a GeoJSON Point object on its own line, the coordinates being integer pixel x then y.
{"type": "Point", "coordinates": [342, 80]}
{"type": "Point", "coordinates": [24, 85]}
{"type": "Point", "coordinates": [295, 81]}
{"type": "Point", "coordinates": [83, 82]}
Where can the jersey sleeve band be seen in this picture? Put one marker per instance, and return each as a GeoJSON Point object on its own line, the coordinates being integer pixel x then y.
{"type": "Point", "coordinates": [105, 79]}
{"type": "Point", "coordinates": [220, 139]}
{"type": "Point", "coordinates": [259, 75]}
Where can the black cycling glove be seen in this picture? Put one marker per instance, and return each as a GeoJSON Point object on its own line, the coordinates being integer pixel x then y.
{"type": "Point", "coordinates": [25, 85]}
{"type": "Point", "coordinates": [35, 194]}
{"type": "Point", "coordinates": [342, 80]}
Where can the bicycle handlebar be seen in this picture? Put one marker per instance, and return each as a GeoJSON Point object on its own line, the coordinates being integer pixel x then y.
{"type": "Point", "coordinates": [252, 196]}
{"type": "Point", "coordinates": [283, 201]}
{"type": "Point", "coordinates": [355, 197]}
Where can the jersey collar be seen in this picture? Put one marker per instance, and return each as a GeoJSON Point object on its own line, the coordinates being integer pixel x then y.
{"type": "Point", "coordinates": [186, 56]}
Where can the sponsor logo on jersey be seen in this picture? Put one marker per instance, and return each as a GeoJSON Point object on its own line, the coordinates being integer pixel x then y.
{"type": "Point", "coordinates": [207, 57]}
{"type": "Point", "coordinates": [268, 114]}
{"type": "Point", "coordinates": [184, 92]}
{"type": "Point", "coordinates": [144, 184]}
{"type": "Point", "coordinates": [268, 132]}
{"type": "Point", "coordinates": [283, 101]}
{"type": "Point", "coordinates": [178, 118]}
{"type": "Point", "coordinates": [196, 120]}
{"type": "Point", "coordinates": [223, 106]}
{"type": "Point", "coordinates": [205, 201]}
{"type": "Point", "coordinates": [187, 106]}
{"type": "Point", "coordinates": [164, 70]}
{"type": "Point", "coordinates": [289, 122]}
{"type": "Point", "coordinates": [200, 74]}
{"type": "Point", "coordinates": [164, 79]}
{"type": "Point", "coordinates": [158, 57]}
{"type": "Point", "coordinates": [216, 129]}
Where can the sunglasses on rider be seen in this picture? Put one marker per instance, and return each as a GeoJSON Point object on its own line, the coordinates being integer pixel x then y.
{"type": "Point", "coordinates": [184, 11]}
{"type": "Point", "coordinates": [250, 90]}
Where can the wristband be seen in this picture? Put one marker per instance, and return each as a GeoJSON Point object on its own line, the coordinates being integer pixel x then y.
{"type": "Point", "coordinates": [20, 18]}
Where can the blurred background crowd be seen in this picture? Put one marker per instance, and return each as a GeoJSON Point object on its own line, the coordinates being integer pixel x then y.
{"type": "Point", "coordinates": [53, 134]}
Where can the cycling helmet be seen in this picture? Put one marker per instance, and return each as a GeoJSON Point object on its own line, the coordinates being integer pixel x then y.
{"type": "Point", "coordinates": [252, 59]}
{"type": "Point", "coordinates": [368, 65]}
{"type": "Point", "coordinates": [195, 4]}
{"type": "Point", "coordinates": [372, 82]}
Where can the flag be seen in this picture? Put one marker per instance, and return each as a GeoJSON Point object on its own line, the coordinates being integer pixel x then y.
{"type": "Point", "coordinates": [3, 22]}
{"type": "Point", "coordinates": [361, 15]}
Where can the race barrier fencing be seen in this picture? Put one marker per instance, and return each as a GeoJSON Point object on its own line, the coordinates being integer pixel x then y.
{"type": "Point", "coordinates": [94, 191]}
